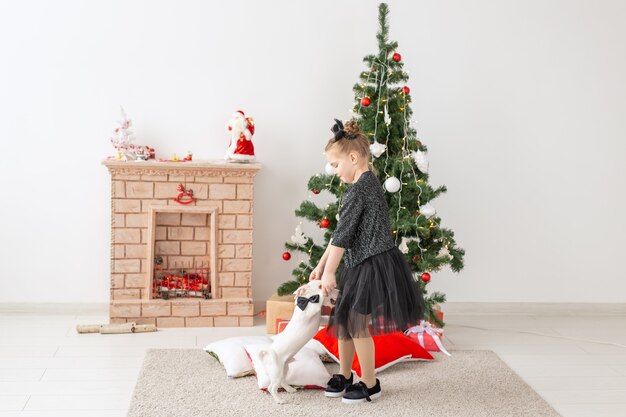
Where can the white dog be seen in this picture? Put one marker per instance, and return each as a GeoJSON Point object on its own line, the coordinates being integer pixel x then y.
{"type": "Point", "coordinates": [303, 325]}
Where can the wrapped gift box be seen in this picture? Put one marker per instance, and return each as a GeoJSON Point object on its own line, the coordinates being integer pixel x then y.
{"type": "Point", "coordinates": [281, 324]}
{"type": "Point", "coordinates": [439, 314]}
{"type": "Point", "coordinates": [278, 307]}
{"type": "Point", "coordinates": [281, 308]}
{"type": "Point", "coordinates": [427, 336]}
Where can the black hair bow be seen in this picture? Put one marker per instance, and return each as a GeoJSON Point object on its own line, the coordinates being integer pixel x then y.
{"type": "Point", "coordinates": [337, 129]}
{"type": "Point", "coordinates": [303, 301]}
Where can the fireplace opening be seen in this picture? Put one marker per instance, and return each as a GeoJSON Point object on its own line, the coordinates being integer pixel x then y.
{"type": "Point", "coordinates": [182, 252]}
{"type": "Point", "coordinates": [181, 281]}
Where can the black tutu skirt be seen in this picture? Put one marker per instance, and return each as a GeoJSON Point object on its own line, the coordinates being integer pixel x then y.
{"type": "Point", "coordinates": [377, 296]}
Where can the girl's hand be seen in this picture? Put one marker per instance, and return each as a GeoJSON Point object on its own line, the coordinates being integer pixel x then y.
{"type": "Point", "coordinates": [317, 272]}
{"type": "Point", "coordinates": [329, 282]}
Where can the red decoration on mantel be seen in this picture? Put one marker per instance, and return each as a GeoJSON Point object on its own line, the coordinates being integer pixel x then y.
{"type": "Point", "coordinates": [184, 196]}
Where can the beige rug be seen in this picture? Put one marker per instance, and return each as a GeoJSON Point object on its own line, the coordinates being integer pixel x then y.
{"type": "Point", "coordinates": [188, 382]}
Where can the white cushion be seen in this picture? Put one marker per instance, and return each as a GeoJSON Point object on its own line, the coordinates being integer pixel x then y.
{"type": "Point", "coordinates": [232, 355]}
{"type": "Point", "coordinates": [315, 346]}
{"type": "Point", "coordinates": [304, 369]}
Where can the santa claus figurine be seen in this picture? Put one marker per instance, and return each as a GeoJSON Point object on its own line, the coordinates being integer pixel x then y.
{"type": "Point", "coordinates": [241, 129]}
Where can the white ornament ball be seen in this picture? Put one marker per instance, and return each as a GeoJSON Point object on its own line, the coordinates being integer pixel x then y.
{"type": "Point", "coordinates": [428, 210]}
{"type": "Point", "coordinates": [392, 184]}
{"type": "Point", "coordinates": [329, 169]}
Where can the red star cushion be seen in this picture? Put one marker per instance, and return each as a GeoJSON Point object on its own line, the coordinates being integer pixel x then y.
{"type": "Point", "coordinates": [389, 349]}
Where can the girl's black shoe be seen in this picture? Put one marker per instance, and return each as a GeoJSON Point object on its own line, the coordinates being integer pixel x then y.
{"type": "Point", "coordinates": [337, 385]}
{"type": "Point", "coordinates": [359, 393]}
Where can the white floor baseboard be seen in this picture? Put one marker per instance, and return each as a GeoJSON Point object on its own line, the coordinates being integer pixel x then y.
{"type": "Point", "coordinates": [454, 308]}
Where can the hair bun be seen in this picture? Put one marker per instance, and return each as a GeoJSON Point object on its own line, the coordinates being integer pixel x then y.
{"type": "Point", "coordinates": [352, 128]}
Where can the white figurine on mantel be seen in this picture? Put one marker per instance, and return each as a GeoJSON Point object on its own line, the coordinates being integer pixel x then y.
{"type": "Point", "coordinates": [241, 129]}
{"type": "Point", "coordinates": [123, 137]}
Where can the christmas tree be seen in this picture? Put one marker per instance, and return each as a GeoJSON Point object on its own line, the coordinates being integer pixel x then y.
{"type": "Point", "coordinates": [400, 161]}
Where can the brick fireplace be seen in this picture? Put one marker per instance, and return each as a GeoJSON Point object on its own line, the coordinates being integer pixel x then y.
{"type": "Point", "coordinates": [211, 237]}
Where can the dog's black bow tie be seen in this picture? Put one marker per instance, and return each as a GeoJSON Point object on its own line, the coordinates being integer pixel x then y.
{"type": "Point", "coordinates": [303, 301]}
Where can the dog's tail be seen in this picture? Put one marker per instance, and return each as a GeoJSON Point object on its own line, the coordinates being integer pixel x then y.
{"type": "Point", "coordinates": [274, 372]}
{"type": "Point", "coordinates": [267, 355]}
{"type": "Point", "coordinates": [270, 360]}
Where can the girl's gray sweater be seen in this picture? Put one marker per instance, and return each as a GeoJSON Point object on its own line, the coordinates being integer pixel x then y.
{"type": "Point", "coordinates": [363, 227]}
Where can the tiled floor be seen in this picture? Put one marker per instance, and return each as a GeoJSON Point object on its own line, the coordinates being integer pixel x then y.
{"type": "Point", "coordinates": [572, 355]}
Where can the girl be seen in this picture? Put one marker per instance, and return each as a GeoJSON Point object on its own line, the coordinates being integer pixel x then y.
{"type": "Point", "coordinates": [377, 293]}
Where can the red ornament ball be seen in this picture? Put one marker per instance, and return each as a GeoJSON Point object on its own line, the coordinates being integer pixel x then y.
{"type": "Point", "coordinates": [324, 223]}
{"type": "Point", "coordinates": [397, 57]}
{"type": "Point", "coordinates": [425, 277]}
{"type": "Point", "coordinates": [316, 191]}
{"type": "Point", "coordinates": [286, 256]}
{"type": "Point", "coordinates": [365, 101]}
{"type": "Point", "coordinates": [406, 90]}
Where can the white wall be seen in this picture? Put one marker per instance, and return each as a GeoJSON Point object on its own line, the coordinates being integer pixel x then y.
{"type": "Point", "coordinates": [521, 104]}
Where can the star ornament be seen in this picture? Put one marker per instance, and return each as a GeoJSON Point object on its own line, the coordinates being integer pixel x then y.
{"type": "Point", "coordinates": [377, 148]}
{"type": "Point", "coordinates": [298, 238]}
{"type": "Point", "coordinates": [421, 160]}
{"type": "Point", "coordinates": [404, 248]}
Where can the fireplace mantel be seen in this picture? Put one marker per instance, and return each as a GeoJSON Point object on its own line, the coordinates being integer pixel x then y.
{"type": "Point", "coordinates": [214, 167]}
{"type": "Point", "coordinates": [217, 227]}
